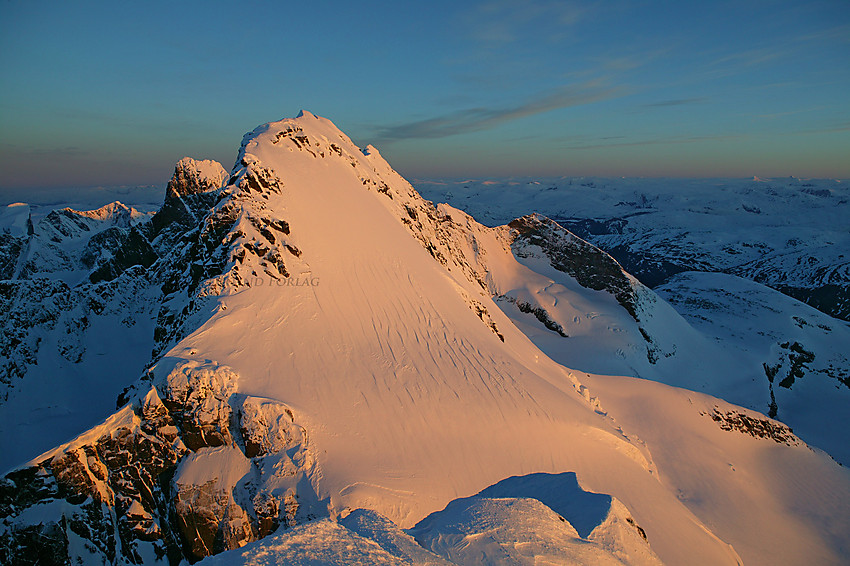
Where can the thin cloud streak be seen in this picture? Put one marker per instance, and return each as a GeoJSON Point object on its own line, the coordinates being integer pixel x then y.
{"type": "Point", "coordinates": [676, 102]}
{"type": "Point", "coordinates": [502, 22]}
{"type": "Point", "coordinates": [478, 119]}
{"type": "Point", "coordinates": [41, 152]}
{"type": "Point", "coordinates": [666, 141]}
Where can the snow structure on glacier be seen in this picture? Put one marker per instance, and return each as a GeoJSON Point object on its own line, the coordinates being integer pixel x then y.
{"type": "Point", "coordinates": [332, 374]}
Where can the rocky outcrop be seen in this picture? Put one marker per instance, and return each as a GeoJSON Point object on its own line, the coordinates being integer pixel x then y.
{"type": "Point", "coordinates": [105, 492]}
{"type": "Point", "coordinates": [193, 176]}
{"type": "Point", "coordinates": [754, 426]}
{"type": "Point", "coordinates": [185, 471]}
{"type": "Point", "coordinates": [116, 251]}
{"type": "Point", "coordinates": [587, 264]}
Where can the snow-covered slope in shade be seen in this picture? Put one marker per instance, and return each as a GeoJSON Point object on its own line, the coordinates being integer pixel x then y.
{"type": "Point", "coordinates": [338, 348]}
{"type": "Point", "coordinates": [798, 357]}
{"type": "Point", "coordinates": [68, 347]}
{"type": "Point", "coordinates": [15, 219]}
{"type": "Point", "coordinates": [81, 296]}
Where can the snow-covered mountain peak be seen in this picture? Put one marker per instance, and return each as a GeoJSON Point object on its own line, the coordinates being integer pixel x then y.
{"type": "Point", "coordinates": [328, 341]}
{"type": "Point", "coordinates": [115, 212]}
{"type": "Point", "coordinates": [307, 137]}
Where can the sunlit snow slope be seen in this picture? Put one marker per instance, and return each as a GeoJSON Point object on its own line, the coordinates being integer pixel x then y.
{"type": "Point", "coordinates": [412, 400]}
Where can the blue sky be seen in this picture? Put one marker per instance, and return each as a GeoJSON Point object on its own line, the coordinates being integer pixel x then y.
{"type": "Point", "coordinates": [97, 93]}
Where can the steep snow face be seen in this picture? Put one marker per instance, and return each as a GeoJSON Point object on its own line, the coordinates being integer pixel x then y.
{"type": "Point", "coordinates": [385, 346]}
{"type": "Point", "coordinates": [328, 343]}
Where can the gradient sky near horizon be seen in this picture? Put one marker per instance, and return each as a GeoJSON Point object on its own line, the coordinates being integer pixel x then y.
{"type": "Point", "coordinates": [97, 93]}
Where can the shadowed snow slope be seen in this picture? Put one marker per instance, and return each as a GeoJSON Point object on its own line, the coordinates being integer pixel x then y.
{"type": "Point", "coordinates": [351, 319]}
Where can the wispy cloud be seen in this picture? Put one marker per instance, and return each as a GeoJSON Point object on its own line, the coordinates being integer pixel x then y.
{"type": "Point", "coordinates": [500, 22]}
{"type": "Point", "coordinates": [776, 115]}
{"type": "Point", "coordinates": [675, 102]}
{"type": "Point", "coordinates": [635, 59]}
{"type": "Point", "coordinates": [840, 34]}
{"type": "Point", "coordinates": [599, 143]}
{"type": "Point", "coordinates": [751, 57]}
{"type": "Point", "coordinates": [845, 127]}
{"type": "Point", "coordinates": [478, 119]}
{"type": "Point", "coordinates": [56, 152]}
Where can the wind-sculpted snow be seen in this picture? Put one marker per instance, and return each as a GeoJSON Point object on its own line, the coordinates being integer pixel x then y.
{"type": "Point", "coordinates": [521, 520]}
{"type": "Point", "coordinates": [533, 519]}
{"type": "Point", "coordinates": [328, 417]}
{"type": "Point", "coordinates": [540, 518]}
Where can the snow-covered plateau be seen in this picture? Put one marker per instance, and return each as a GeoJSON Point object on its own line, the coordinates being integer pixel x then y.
{"type": "Point", "coordinates": [315, 365]}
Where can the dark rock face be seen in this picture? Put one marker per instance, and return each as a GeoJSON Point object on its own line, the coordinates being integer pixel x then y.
{"type": "Point", "coordinates": [210, 521]}
{"type": "Point", "coordinates": [127, 247]}
{"type": "Point", "coordinates": [753, 426]}
{"type": "Point", "coordinates": [831, 298]}
{"type": "Point", "coordinates": [121, 491]}
{"type": "Point", "coordinates": [106, 492]}
{"type": "Point", "coordinates": [539, 313]}
{"type": "Point", "coordinates": [193, 177]}
{"type": "Point", "coordinates": [587, 264]}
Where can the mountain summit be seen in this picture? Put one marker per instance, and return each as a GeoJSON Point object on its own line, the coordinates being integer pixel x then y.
{"type": "Point", "coordinates": [333, 364]}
